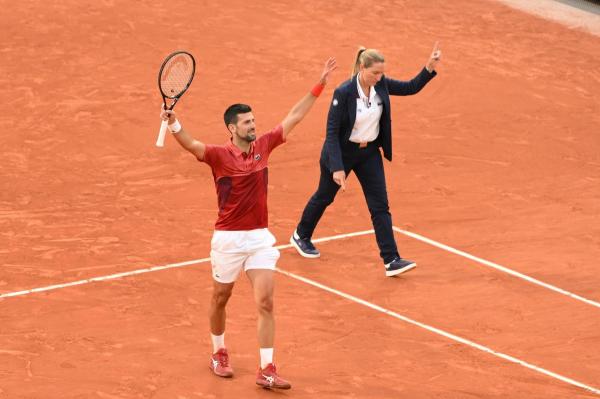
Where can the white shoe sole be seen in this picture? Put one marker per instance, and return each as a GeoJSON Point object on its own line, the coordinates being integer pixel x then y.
{"type": "Point", "coordinates": [293, 242]}
{"type": "Point", "coordinates": [400, 271]}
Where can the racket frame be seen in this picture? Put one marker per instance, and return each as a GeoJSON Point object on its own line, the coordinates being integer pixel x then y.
{"type": "Point", "coordinates": [160, 141]}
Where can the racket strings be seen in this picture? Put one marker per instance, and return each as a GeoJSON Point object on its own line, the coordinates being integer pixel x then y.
{"type": "Point", "coordinates": [176, 75]}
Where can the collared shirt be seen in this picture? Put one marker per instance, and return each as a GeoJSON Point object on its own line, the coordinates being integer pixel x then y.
{"type": "Point", "coordinates": [368, 113]}
{"type": "Point", "coordinates": [241, 181]}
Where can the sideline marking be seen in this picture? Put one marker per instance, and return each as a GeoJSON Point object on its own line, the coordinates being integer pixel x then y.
{"type": "Point", "coordinates": [496, 266]}
{"type": "Point", "coordinates": [441, 332]}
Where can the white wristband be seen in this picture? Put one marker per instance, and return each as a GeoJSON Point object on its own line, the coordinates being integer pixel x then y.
{"type": "Point", "coordinates": [175, 127]}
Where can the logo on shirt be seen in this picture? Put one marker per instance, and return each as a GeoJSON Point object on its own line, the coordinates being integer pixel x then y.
{"type": "Point", "coordinates": [257, 157]}
{"type": "Point", "coordinates": [335, 102]}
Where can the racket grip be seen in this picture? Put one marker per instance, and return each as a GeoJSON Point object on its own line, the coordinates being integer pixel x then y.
{"type": "Point", "coordinates": [160, 141]}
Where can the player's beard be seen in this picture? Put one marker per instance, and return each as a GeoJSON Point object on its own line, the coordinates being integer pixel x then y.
{"type": "Point", "coordinates": [250, 136]}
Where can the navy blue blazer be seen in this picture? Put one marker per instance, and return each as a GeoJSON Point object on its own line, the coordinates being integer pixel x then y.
{"type": "Point", "coordinates": [342, 114]}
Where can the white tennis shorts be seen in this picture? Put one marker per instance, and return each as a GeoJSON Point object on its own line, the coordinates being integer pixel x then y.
{"type": "Point", "coordinates": [232, 251]}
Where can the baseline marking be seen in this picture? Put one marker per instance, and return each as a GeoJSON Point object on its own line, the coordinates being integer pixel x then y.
{"type": "Point", "coordinates": [441, 332]}
{"type": "Point", "coordinates": [104, 278]}
{"type": "Point", "coordinates": [496, 266]}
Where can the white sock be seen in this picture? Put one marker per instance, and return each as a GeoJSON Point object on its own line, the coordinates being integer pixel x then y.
{"type": "Point", "coordinates": [218, 341]}
{"type": "Point", "coordinates": [266, 357]}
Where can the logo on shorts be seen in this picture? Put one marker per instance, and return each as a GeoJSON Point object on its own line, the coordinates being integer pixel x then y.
{"type": "Point", "coordinates": [335, 102]}
{"type": "Point", "coordinates": [257, 157]}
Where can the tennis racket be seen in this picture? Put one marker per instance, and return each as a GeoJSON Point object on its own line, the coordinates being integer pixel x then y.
{"type": "Point", "coordinates": [174, 78]}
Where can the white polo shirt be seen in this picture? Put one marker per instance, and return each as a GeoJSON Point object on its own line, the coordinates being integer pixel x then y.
{"type": "Point", "coordinates": [368, 113]}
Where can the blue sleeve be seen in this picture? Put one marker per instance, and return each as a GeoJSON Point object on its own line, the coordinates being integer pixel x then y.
{"type": "Point", "coordinates": [337, 108]}
{"type": "Point", "coordinates": [409, 87]}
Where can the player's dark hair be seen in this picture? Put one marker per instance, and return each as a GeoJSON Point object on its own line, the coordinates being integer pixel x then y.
{"type": "Point", "coordinates": [231, 113]}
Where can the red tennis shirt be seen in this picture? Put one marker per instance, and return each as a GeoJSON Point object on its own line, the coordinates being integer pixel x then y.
{"type": "Point", "coordinates": [241, 181]}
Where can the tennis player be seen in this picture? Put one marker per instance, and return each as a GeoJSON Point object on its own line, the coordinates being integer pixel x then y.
{"type": "Point", "coordinates": [241, 240]}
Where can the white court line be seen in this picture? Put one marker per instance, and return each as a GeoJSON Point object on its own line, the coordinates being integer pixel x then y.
{"type": "Point", "coordinates": [497, 267]}
{"type": "Point", "coordinates": [331, 238]}
{"type": "Point", "coordinates": [157, 268]}
{"type": "Point", "coordinates": [104, 278]}
{"type": "Point", "coordinates": [442, 332]}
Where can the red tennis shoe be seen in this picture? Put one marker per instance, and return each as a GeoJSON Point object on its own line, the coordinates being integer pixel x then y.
{"type": "Point", "coordinates": [268, 378]}
{"type": "Point", "coordinates": [219, 364]}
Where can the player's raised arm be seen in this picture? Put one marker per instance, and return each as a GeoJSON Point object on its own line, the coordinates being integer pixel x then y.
{"type": "Point", "coordinates": [299, 111]}
{"type": "Point", "coordinates": [185, 140]}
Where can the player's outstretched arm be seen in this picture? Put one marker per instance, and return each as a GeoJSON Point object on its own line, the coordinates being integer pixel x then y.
{"type": "Point", "coordinates": [299, 111]}
{"type": "Point", "coordinates": [185, 140]}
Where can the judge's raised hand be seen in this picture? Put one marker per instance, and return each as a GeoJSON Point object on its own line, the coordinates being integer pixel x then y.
{"type": "Point", "coordinates": [435, 57]}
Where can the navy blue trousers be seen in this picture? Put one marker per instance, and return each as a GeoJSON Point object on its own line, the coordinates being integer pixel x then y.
{"type": "Point", "coordinates": [367, 164]}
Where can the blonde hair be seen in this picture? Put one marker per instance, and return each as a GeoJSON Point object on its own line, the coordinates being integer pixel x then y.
{"type": "Point", "coordinates": [366, 57]}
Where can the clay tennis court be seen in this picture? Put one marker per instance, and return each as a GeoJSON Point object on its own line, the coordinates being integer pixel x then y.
{"type": "Point", "coordinates": [498, 157]}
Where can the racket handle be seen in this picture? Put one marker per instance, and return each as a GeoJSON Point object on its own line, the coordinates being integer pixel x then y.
{"type": "Point", "coordinates": [160, 141]}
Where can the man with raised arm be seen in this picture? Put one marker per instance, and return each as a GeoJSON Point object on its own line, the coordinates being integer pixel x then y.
{"type": "Point", "coordinates": [241, 240]}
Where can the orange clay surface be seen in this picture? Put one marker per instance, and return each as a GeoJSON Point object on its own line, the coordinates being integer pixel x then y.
{"type": "Point", "coordinates": [498, 156]}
